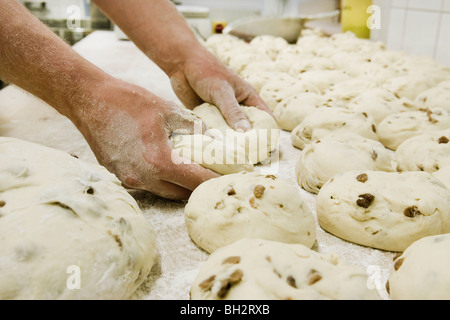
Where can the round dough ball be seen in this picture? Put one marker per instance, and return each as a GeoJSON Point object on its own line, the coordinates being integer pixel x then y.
{"type": "Point", "coordinates": [269, 45]}
{"type": "Point", "coordinates": [384, 210]}
{"type": "Point", "coordinates": [275, 91]}
{"type": "Point", "coordinates": [323, 79]}
{"type": "Point", "coordinates": [422, 272]}
{"type": "Point", "coordinates": [398, 127]}
{"type": "Point", "coordinates": [409, 85]}
{"type": "Point", "coordinates": [290, 112]}
{"type": "Point", "coordinates": [69, 230]}
{"type": "Point", "coordinates": [248, 205]}
{"type": "Point", "coordinates": [436, 97]}
{"type": "Point", "coordinates": [427, 152]}
{"type": "Point", "coordinates": [350, 89]}
{"type": "Point", "coordinates": [259, 78]}
{"type": "Point", "coordinates": [378, 103]}
{"type": "Point", "coordinates": [333, 154]}
{"type": "Point", "coordinates": [334, 120]}
{"type": "Point", "coordinates": [443, 175]}
{"type": "Point", "coordinates": [254, 269]}
{"type": "Point", "coordinates": [225, 150]}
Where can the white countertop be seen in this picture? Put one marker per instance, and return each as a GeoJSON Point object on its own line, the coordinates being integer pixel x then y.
{"type": "Point", "coordinates": [25, 117]}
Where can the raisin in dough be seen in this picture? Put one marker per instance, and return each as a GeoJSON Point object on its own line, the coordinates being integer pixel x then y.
{"type": "Point", "coordinates": [321, 160]}
{"type": "Point", "coordinates": [59, 213]}
{"type": "Point", "coordinates": [334, 120]}
{"type": "Point", "coordinates": [384, 210]}
{"type": "Point", "coordinates": [422, 272]}
{"type": "Point", "coordinates": [254, 269]}
{"type": "Point", "coordinates": [427, 152]}
{"type": "Point", "coordinates": [443, 175]}
{"type": "Point", "coordinates": [398, 127]}
{"type": "Point", "coordinates": [248, 205]}
{"type": "Point", "coordinates": [224, 150]}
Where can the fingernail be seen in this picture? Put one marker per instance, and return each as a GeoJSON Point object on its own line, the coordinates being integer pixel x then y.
{"type": "Point", "coordinates": [243, 125]}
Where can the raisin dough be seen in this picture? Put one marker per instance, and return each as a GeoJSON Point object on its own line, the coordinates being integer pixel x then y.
{"type": "Point", "coordinates": [333, 154]}
{"type": "Point", "coordinates": [248, 205]}
{"type": "Point", "coordinates": [59, 216]}
{"type": "Point", "coordinates": [334, 120]}
{"type": "Point", "coordinates": [443, 175]}
{"type": "Point", "coordinates": [253, 269]}
{"type": "Point", "coordinates": [398, 127]}
{"type": "Point", "coordinates": [384, 210]}
{"type": "Point", "coordinates": [436, 97]}
{"type": "Point", "coordinates": [422, 272]}
{"type": "Point", "coordinates": [427, 152]}
{"type": "Point", "coordinates": [225, 150]}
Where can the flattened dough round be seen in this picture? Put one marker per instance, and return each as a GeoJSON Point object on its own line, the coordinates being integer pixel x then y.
{"type": "Point", "coordinates": [59, 216]}
{"type": "Point", "coordinates": [427, 152]}
{"type": "Point", "coordinates": [248, 205]}
{"type": "Point", "coordinates": [384, 210]}
{"type": "Point", "coordinates": [422, 272]}
{"type": "Point", "coordinates": [325, 121]}
{"type": "Point", "coordinates": [333, 154]}
{"type": "Point", "coordinates": [398, 127]}
{"type": "Point", "coordinates": [254, 269]}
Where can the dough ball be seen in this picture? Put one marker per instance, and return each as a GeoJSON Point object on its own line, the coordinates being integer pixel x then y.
{"type": "Point", "coordinates": [69, 230]}
{"type": "Point", "coordinates": [350, 89]}
{"type": "Point", "coordinates": [290, 112]}
{"type": "Point", "coordinates": [248, 205]}
{"type": "Point", "coordinates": [259, 78]}
{"type": "Point", "coordinates": [325, 121]}
{"type": "Point", "coordinates": [333, 154]}
{"type": "Point", "coordinates": [312, 64]}
{"type": "Point", "coordinates": [443, 175]}
{"type": "Point", "coordinates": [409, 85]}
{"type": "Point", "coordinates": [275, 91]}
{"type": "Point", "coordinates": [253, 269]}
{"type": "Point", "coordinates": [323, 79]}
{"type": "Point", "coordinates": [422, 272]}
{"type": "Point", "coordinates": [384, 210]}
{"type": "Point", "coordinates": [378, 103]}
{"type": "Point", "coordinates": [269, 45]}
{"type": "Point", "coordinates": [436, 97]}
{"type": "Point", "coordinates": [427, 152]}
{"type": "Point", "coordinates": [398, 127]}
{"type": "Point", "coordinates": [225, 150]}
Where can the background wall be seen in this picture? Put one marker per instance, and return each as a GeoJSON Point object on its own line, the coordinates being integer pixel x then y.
{"type": "Point", "coordinates": [419, 27]}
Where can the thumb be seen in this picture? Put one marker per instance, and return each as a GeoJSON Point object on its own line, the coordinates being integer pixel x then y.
{"type": "Point", "coordinates": [225, 100]}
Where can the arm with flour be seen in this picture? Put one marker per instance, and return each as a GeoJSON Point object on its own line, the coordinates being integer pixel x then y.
{"type": "Point", "coordinates": [126, 126]}
{"type": "Point", "coordinates": [157, 28]}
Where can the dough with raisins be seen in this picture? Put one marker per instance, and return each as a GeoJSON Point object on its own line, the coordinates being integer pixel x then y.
{"type": "Point", "coordinates": [254, 269]}
{"type": "Point", "coordinates": [398, 127]}
{"type": "Point", "coordinates": [248, 205]}
{"type": "Point", "coordinates": [443, 174]}
{"type": "Point", "coordinates": [422, 272]}
{"type": "Point", "coordinates": [427, 152]}
{"type": "Point", "coordinates": [325, 121]}
{"type": "Point", "coordinates": [333, 154]}
{"type": "Point", "coordinates": [384, 210]}
{"type": "Point", "coordinates": [69, 230]}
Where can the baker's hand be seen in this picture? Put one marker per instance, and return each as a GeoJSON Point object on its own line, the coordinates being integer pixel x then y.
{"type": "Point", "coordinates": [128, 129]}
{"type": "Point", "coordinates": [203, 78]}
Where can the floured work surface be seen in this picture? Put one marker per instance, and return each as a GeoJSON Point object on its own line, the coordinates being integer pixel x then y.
{"type": "Point", "coordinates": [25, 117]}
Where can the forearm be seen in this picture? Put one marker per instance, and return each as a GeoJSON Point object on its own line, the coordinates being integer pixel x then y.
{"type": "Point", "coordinates": [35, 59]}
{"type": "Point", "coordinates": [156, 27]}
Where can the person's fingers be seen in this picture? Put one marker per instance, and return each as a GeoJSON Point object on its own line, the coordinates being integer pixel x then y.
{"type": "Point", "coordinates": [170, 191]}
{"type": "Point", "coordinates": [184, 173]}
{"type": "Point", "coordinates": [184, 92]}
{"type": "Point", "coordinates": [225, 100]}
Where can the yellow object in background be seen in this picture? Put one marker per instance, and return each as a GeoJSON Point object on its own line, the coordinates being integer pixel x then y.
{"type": "Point", "coordinates": [218, 26]}
{"type": "Point", "coordinates": [354, 17]}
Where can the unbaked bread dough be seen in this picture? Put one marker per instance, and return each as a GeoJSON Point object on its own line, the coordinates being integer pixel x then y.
{"type": "Point", "coordinates": [443, 175]}
{"type": "Point", "coordinates": [422, 272]}
{"type": "Point", "coordinates": [334, 120]}
{"type": "Point", "coordinates": [225, 150]}
{"type": "Point", "coordinates": [290, 112]}
{"type": "Point", "coordinates": [398, 127]}
{"type": "Point", "coordinates": [253, 269]}
{"type": "Point", "coordinates": [248, 205]}
{"type": "Point", "coordinates": [379, 103]}
{"type": "Point", "coordinates": [333, 154]}
{"type": "Point", "coordinates": [426, 152]}
{"type": "Point", "coordinates": [69, 230]}
{"type": "Point", "coordinates": [384, 210]}
{"type": "Point", "coordinates": [435, 97]}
